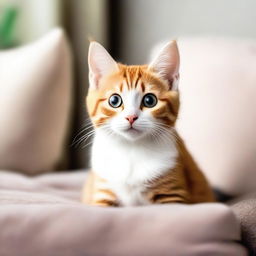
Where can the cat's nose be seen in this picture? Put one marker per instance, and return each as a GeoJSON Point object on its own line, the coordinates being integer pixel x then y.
{"type": "Point", "coordinates": [131, 118]}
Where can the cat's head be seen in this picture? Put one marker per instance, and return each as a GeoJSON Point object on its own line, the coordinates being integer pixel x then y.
{"type": "Point", "coordinates": [133, 102]}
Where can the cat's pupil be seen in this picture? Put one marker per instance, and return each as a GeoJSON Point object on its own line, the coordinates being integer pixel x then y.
{"type": "Point", "coordinates": [115, 101]}
{"type": "Point", "coordinates": [149, 100]}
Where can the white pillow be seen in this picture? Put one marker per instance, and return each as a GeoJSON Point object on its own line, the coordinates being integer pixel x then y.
{"type": "Point", "coordinates": [218, 109]}
{"type": "Point", "coordinates": [35, 102]}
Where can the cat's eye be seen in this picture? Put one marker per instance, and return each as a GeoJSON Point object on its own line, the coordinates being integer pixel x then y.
{"type": "Point", "coordinates": [149, 100]}
{"type": "Point", "coordinates": [115, 101]}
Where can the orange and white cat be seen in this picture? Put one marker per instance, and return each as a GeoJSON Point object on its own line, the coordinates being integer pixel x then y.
{"type": "Point", "coordinates": [137, 156]}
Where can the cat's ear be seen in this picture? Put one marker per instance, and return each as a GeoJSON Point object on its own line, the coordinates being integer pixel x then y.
{"type": "Point", "coordinates": [166, 64]}
{"type": "Point", "coordinates": [100, 64]}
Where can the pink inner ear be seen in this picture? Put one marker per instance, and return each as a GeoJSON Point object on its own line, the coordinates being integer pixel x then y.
{"type": "Point", "coordinates": [175, 82]}
{"type": "Point", "coordinates": [94, 80]}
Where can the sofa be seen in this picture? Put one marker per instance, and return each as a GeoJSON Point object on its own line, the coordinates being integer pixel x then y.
{"type": "Point", "coordinates": [41, 212]}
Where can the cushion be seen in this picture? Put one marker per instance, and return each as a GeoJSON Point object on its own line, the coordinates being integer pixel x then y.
{"type": "Point", "coordinates": [245, 210]}
{"type": "Point", "coordinates": [43, 216]}
{"type": "Point", "coordinates": [218, 109]}
{"type": "Point", "coordinates": [35, 101]}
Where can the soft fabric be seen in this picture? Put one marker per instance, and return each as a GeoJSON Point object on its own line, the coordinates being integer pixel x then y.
{"type": "Point", "coordinates": [245, 210]}
{"type": "Point", "coordinates": [35, 101]}
{"type": "Point", "coordinates": [217, 117]}
{"type": "Point", "coordinates": [43, 216]}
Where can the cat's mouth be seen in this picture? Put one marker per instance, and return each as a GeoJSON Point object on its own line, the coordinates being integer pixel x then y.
{"type": "Point", "coordinates": [131, 133]}
{"type": "Point", "coordinates": [131, 129]}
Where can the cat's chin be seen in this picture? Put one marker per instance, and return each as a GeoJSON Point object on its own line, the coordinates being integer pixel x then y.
{"type": "Point", "coordinates": [131, 135]}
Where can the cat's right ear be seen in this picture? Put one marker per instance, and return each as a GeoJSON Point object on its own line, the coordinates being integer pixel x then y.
{"type": "Point", "coordinates": [100, 64]}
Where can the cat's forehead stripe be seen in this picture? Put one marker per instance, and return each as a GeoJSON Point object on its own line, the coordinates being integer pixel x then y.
{"type": "Point", "coordinates": [142, 86]}
{"type": "Point", "coordinates": [121, 87]}
{"type": "Point", "coordinates": [131, 77]}
{"type": "Point", "coordinates": [125, 84]}
{"type": "Point", "coordinates": [133, 74]}
{"type": "Point", "coordinates": [137, 79]}
{"type": "Point", "coordinates": [128, 79]}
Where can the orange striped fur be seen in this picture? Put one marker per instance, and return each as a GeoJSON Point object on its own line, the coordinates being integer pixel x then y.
{"type": "Point", "coordinates": [181, 183]}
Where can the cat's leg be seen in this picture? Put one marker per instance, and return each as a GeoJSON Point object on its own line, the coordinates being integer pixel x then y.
{"type": "Point", "coordinates": [170, 198]}
{"type": "Point", "coordinates": [169, 188]}
{"type": "Point", "coordinates": [97, 192]}
{"type": "Point", "coordinates": [104, 197]}
{"type": "Point", "coordinates": [199, 188]}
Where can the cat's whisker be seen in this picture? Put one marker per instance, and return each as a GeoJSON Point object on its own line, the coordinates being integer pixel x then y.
{"type": "Point", "coordinates": [164, 134]}
{"type": "Point", "coordinates": [86, 126]}
{"type": "Point", "coordinates": [86, 136]}
{"type": "Point", "coordinates": [86, 139]}
{"type": "Point", "coordinates": [76, 139]}
{"type": "Point", "coordinates": [161, 137]}
{"type": "Point", "coordinates": [155, 136]}
{"type": "Point", "coordinates": [83, 139]}
{"type": "Point", "coordinates": [89, 143]}
{"type": "Point", "coordinates": [86, 145]}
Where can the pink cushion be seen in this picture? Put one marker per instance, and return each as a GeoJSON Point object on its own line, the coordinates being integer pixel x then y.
{"type": "Point", "coordinates": [42, 216]}
{"type": "Point", "coordinates": [35, 100]}
{"type": "Point", "coordinates": [218, 109]}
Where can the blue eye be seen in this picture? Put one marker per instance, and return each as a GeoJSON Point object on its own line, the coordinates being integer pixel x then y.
{"type": "Point", "coordinates": [149, 100]}
{"type": "Point", "coordinates": [115, 101]}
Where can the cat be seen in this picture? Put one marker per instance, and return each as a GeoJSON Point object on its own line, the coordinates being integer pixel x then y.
{"type": "Point", "coordinates": [137, 156]}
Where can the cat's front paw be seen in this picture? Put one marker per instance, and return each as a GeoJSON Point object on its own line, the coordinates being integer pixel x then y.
{"type": "Point", "coordinates": [104, 203]}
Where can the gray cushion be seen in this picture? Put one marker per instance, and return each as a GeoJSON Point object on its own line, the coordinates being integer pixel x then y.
{"type": "Point", "coordinates": [245, 210]}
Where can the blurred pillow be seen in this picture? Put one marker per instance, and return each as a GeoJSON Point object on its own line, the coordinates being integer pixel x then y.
{"type": "Point", "coordinates": [218, 109]}
{"type": "Point", "coordinates": [35, 101]}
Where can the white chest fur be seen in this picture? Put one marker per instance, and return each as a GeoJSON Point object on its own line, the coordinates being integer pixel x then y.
{"type": "Point", "coordinates": [126, 166]}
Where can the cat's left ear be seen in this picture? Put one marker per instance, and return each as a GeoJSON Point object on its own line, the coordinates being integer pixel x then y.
{"type": "Point", "coordinates": [166, 64]}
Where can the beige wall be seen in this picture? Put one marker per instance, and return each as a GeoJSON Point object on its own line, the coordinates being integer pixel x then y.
{"type": "Point", "coordinates": [37, 17]}
{"type": "Point", "coordinates": [146, 22]}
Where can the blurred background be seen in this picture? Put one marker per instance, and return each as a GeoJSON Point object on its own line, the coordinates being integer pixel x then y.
{"type": "Point", "coordinates": [127, 28]}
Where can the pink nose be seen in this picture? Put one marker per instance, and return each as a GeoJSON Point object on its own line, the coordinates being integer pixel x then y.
{"type": "Point", "coordinates": [131, 118]}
